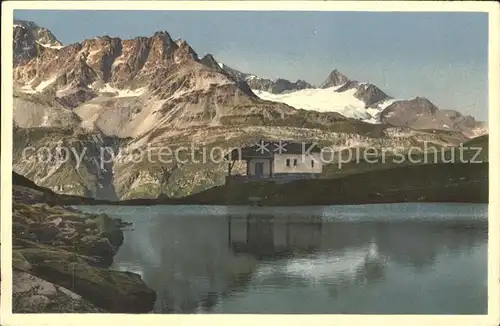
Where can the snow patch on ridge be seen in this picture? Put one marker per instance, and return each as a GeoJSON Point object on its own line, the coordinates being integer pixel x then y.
{"type": "Point", "coordinates": [28, 88]}
{"type": "Point", "coordinates": [51, 46]}
{"type": "Point", "coordinates": [45, 84]}
{"type": "Point", "coordinates": [107, 88]}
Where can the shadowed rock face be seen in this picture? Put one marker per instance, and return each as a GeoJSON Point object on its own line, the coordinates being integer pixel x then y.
{"type": "Point", "coordinates": [418, 105]}
{"type": "Point", "coordinates": [209, 61]}
{"type": "Point", "coordinates": [370, 94]}
{"type": "Point", "coordinates": [420, 113]}
{"type": "Point", "coordinates": [350, 84]}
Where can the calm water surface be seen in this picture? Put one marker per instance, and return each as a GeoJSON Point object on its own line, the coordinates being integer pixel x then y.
{"type": "Point", "coordinates": [369, 259]}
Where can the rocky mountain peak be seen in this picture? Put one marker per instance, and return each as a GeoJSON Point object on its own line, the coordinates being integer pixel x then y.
{"type": "Point", "coordinates": [162, 45]}
{"type": "Point", "coordinates": [370, 94]}
{"type": "Point", "coordinates": [419, 113]}
{"type": "Point", "coordinates": [184, 52]}
{"type": "Point", "coordinates": [335, 78]}
{"type": "Point", "coordinates": [162, 35]}
{"type": "Point", "coordinates": [30, 40]}
{"type": "Point", "coordinates": [41, 35]}
{"type": "Point", "coordinates": [424, 105]}
{"type": "Point", "coordinates": [209, 61]}
{"type": "Point", "coordinates": [281, 85]}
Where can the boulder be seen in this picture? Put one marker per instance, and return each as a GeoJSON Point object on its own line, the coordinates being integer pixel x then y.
{"type": "Point", "coordinates": [46, 233]}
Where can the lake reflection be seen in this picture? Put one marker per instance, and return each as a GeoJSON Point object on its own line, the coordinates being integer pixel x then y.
{"type": "Point", "coordinates": [252, 262]}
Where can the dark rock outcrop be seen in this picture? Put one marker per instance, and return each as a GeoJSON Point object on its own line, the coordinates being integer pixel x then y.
{"type": "Point", "coordinates": [407, 113]}
{"type": "Point", "coordinates": [370, 94]}
{"type": "Point", "coordinates": [335, 78]}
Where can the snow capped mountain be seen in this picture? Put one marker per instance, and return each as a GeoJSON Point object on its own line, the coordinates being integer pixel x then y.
{"type": "Point", "coordinates": [337, 93]}
{"type": "Point", "coordinates": [330, 100]}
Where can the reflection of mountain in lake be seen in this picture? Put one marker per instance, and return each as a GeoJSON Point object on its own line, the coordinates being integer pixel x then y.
{"type": "Point", "coordinates": [196, 262]}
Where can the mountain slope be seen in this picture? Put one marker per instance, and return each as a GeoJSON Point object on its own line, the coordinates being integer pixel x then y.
{"type": "Point", "coordinates": [451, 182]}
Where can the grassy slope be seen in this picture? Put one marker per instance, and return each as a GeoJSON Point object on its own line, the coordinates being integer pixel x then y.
{"type": "Point", "coordinates": [457, 182]}
{"type": "Point", "coordinates": [431, 179]}
{"type": "Point", "coordinates": [474, 150]}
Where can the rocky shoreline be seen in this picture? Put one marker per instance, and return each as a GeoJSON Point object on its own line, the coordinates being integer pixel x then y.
{"type": "Point", "coordinates": [60, 260]}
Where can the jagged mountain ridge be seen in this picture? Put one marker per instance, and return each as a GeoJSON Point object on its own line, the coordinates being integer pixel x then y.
{"type": "Point", "coordinates": [145, 84]}
{"type": "Point", "coordinates": [155, 91]}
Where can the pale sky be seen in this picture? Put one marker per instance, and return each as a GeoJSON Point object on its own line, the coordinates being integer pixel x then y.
{"type": "Point", "coordinates": [441, 56]}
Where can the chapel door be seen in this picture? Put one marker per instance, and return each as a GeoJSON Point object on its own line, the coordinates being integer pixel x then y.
{"type": "Point", "coordinates": [259, 169]}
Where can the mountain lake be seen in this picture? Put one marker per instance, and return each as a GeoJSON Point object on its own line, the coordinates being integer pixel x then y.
{"type": "Point", "coordinates": [368, 259]}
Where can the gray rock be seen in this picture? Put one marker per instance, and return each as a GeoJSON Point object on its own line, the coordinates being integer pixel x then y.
{"type": "Point", "coordinates": [32, 303]}
{"type": "Point", "coordinates": [24, 282]}
{"type": "Point", "coordinates": [32, 294]}
{"type": "Point", "coordinates": [47, 233]}
{"type": "Point", "coordinates": [275, 86]}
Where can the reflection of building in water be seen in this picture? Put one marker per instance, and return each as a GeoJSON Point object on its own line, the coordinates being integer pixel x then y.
{"type": "Point", "coordinates": [188, 262]}
{"type": "Point", "coordinates": [267, 236]}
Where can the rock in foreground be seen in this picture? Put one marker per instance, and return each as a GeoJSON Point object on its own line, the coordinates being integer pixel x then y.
{"type": "Point", "coordinates": [31, 294]}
